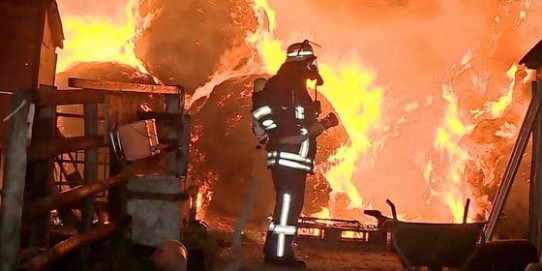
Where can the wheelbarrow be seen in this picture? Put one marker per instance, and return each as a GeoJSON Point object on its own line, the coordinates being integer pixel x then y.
{"type": "Point", "coordinates": [435, 245]}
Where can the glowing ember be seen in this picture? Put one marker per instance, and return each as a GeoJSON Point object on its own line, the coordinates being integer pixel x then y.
{"type": "Point", "coordinates": [202, 200]}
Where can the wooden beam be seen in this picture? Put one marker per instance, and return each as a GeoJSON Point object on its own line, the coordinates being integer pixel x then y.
{"type": "Point", "coordinates": [536, 175]}
{"type": "Point", "coordinates": [77, 241]}
{"type": "Point", "coordinates": [123, 87]}
{"type": "Point", "coordinates": [44, 205]}
{"type": "Point", "coordinates": [14, 183]}
{"type": "Point", "coordinates": [67, 97]}
{"type": "Point", "coordinates": [538, 183]}
{"type": "Point", "coordinates": [64, 145]}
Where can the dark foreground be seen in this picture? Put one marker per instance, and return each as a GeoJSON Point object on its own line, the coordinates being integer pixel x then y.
{"type": "Point", "coordinates": [322, 258]}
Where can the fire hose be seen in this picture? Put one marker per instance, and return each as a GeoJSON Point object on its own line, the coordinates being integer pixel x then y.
{"type": "Point", "coordinates": [238, 231]}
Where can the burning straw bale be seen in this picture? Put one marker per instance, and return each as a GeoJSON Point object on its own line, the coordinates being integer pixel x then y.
{"type": "Point", "coordinates": [224, 147]}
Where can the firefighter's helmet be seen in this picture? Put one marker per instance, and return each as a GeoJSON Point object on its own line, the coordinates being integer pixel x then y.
{"type": "Point", "coordinates": [301, 51]}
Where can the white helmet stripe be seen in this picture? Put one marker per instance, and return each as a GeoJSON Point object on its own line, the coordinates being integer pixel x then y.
{"type": "Point", "coordinates": [302, 53]}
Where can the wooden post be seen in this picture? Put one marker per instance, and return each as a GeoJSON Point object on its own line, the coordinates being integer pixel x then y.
{"type": "Point", "coordinates": [513, 164]}
{"type": "Point", "coordinates": [117, 196]}
{"type": "Point", "coordinates": [14, 182]}
{"type": "Point", "coordinates": [173, 106]}
{"type": "Point", "coordinates": [90, 176]}
{"type": "Point", "coordinates": [185, 146]}
{"type": "Point", "coordinates": [41, 172]}
{"type": "Point", "coordinates": [536, 175]}
{"type": "Point", "coordinates": [538, 183]}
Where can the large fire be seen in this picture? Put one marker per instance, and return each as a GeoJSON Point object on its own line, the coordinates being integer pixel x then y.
{"type": "Point", "coordinates": [109, 35]}
{"type": "Point", "coordinates": [358, 99]}
{"type": "Point", "coordinates": [424, 168]}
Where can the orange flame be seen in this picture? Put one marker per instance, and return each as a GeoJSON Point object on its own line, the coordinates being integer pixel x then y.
{"type": "Point", "coordinates": [451, 184]}
{"type": "Point", "coordinates": [350, 88]}
{"type": "Point", "coordinates": [498, 107]}
{"type": "Point", "coordinates": [97, 39]}
{"type": "Point", "coordinates": [203, 199]}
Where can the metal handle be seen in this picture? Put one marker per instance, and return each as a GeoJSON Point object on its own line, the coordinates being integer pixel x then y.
{"type": "Point", "coordinates": [393, 210]}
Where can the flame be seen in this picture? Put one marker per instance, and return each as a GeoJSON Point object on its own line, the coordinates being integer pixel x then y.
{"type": "Point", "coordinates": [324, 213]}
{"type": "Point", "coordinates": [498, 107]}
{"type": "Point", "coordinates": [103, 39]}
{"type": "Point", "coordinates": [203, 198]}
{"type": "Point", "coordinates": [450, 184]}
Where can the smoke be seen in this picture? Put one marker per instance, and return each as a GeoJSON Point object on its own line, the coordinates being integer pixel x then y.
{"type": "Point", "coordinates": [184, 44]}
{"type": "Point", "coordinates": [414, 47]}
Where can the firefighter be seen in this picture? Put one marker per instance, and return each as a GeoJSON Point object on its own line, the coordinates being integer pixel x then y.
{"type": "Point", "coordinates": [285, 118]}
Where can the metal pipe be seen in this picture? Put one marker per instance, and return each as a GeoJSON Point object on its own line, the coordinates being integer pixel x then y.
{"type": "Point", "coordinates": [466, 211]}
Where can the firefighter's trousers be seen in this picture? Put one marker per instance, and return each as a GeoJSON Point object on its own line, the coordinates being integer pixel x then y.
{"type": "Point", "coordinates": [290, 191]}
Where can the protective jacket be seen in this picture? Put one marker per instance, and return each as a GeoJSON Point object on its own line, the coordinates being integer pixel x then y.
{"type": "Point", "coordinates": [284, 109]}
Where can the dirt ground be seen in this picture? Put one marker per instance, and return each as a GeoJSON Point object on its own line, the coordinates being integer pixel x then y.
{"type": "Point", "coordinates": [321, 257]}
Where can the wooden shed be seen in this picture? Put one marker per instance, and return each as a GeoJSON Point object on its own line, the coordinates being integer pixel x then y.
{"type": "Point", "coordinates": [30, 31]}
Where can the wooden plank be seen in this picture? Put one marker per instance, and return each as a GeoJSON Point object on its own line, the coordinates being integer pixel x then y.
{"type": "Point", "coordinates": [14, 183]}
{"type": "Point", "coordinates": [74, 242]}
{"type": "Point", "coordinates": [91, 175]}
{"type": "Point", "coordinates": [123, 87]}
{"type": "Point", "coordinates": [67, 97]}
{"type": "Point", "coordinates": [64, 145]}
{"type": "Point", "coordinates": [43, 205]}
